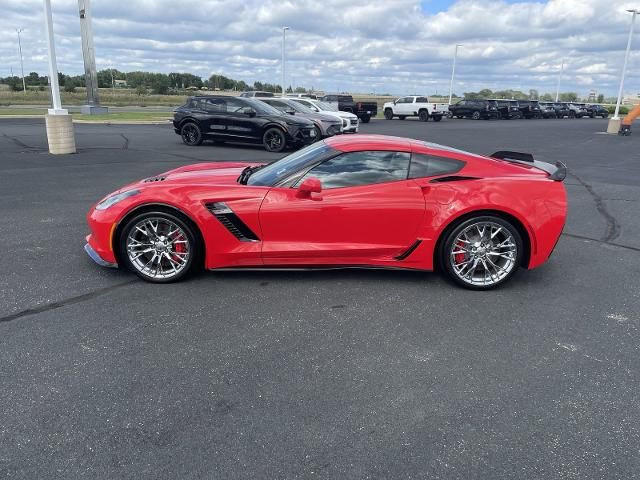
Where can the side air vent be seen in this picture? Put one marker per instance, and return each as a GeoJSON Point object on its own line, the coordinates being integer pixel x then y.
{"type": "Point", "coordinates": [232, 222]}
{"type": "Point", "coordinates": [155, 179]}
{"type": "Point", "coordinates": [452, 178]}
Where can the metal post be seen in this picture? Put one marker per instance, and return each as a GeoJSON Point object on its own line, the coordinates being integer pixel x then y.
{"type": "Point", "coordinates": [284, 37]}
{"type": "Point", "coordinates": [624, 66]}
{"type": "Point", "coordinates": [559, 76]}
{"type": "Point", "coordinates": [53, 67]}
{"type": "Point", "coordinates": [88, 54]}
{"type": "Point", "coordinates": [24, 85]}
{"type": "Point", "coordinates": [453, 72]}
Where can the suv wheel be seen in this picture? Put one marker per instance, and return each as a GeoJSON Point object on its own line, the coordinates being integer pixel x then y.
{"type": "Point", "coordinates": [274, 140]}
{"type": "Point", "coordinates": [365, 119]}
{"type": "Point", "coordinates": [423, 115]}
{"type": "Point", "coordinates": [476, 115]}
{"type": "Point", "coordinates": [191, 134]}
{"type": "Point", "coordinates": [388, 114]}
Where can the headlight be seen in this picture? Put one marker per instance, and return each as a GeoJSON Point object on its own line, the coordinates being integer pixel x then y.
{"type": "Point", "coordinates": [113, 199]}
{"type": "Point", "coordinates": [345, 122]}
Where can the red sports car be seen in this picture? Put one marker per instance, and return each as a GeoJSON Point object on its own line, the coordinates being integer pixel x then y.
{"type": "Point", "coordinates": [356, 201]}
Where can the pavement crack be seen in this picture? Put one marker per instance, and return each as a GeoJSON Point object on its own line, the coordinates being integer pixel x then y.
{"type": "Point", "coordinates": [125, 145]}
{"type": "Point", "coordinates": [19, 142]}
{"type": "Point", "coordinates": [583, 237]}
{"type": "Point", "coordinates": [613, 227]}
{"type": "Point", "coordinates": [63, 303]}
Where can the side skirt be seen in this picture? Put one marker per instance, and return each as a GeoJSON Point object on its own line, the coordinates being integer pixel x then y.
{"type": "Point", "coordinates": [314, 267]}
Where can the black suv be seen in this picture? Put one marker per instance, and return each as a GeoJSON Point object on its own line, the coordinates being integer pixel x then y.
{"type": "Point", "coordinates": [475, 109]}
{"type": "Point", "coordinates": [562, 109]}
{"type": "Point", "coordinates": [245, 120]}
{"type": "Point", "coordinates": [577, 110]}
{"type": "Point", "coordinates": [530, 108]}
{"type": "Point", "coordinates": [508, 109]}
{"type": "Point", "coordinates": [597, 111]}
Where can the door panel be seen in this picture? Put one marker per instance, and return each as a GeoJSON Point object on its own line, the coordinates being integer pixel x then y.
{"type": "Point", "coordinates": [351, 225]}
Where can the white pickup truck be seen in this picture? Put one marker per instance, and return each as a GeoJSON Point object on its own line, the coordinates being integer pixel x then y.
{"type": "Point", "coordinates": [414, 106]}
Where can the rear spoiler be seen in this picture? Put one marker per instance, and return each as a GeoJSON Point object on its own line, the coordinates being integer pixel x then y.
{"type": "Point", "coordinates": [557, 172]}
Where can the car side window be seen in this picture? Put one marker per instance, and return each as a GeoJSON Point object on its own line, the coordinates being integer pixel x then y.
{"type": "Point", "coordinates": [353, 169]}
{"type": "Point", "coordinates": [213, 105]}
{"type": "Point", "coordinates": [423, 165]}
{"type": "Point", "coordinates": [422, 100]}
{"type": "Point", "coordinates": [234, 105]}
{"type": "Point", "coordinates": [461, 102]}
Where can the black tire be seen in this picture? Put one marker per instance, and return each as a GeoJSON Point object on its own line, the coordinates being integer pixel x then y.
{"type": "Point", "coordinates": [447, 253]}
{"type": "Point", "coordinates": [274, 140]}
{"type": "Point", "coordinates": [388, 114]}
{"type": "Point", "coordinates": [191, 134]}
{"type": "Point", "coordinates": [402, 117]}
{"type": "Point", "coordinates": [450, 114]}
{"type": "Point", "coordinates": [192, 246]}
{"type": "Point", "coordinates": [476, 115]}
{"type": "Point", "coordinates": [437, 118]}
{"type": "Point", "coordinates": [606, 115]}
{"type": "Point", "coordinates": [423, 116]}
{"type": "Point", "coordinates": [365, 119]}
{"type": "Point", "coordinates": [572, 114]}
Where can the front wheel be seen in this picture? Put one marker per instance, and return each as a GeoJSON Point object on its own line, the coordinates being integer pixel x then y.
{"type": "Point", "coordinates": [482, 252]}
{"type": "Point", "coordinates": [423, 115]}
{"type": "Point", "coordinates": [274, 140]}
{"type": "Point", "coordinates": [191, 134]}
{"type": "Point", "coordinates": [476, 115]}
{"type": "Point", "coordinates": [365, 119]}
{"type": "Point", "coordinates": [158, 247]}
{"type": "Point", "coordinates": [388, 114]}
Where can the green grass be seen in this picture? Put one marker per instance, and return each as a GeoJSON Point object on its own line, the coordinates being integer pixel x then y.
{"type": "Point", "coordinates": [117, 116]}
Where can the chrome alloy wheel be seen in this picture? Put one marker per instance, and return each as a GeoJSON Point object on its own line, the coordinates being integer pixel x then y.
{"type": "Point", "coordinates": [483, 254]}
{"type": "Point", "coordinates": [158, 248]}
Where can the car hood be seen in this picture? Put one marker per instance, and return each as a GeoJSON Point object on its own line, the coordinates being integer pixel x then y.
{"type": "Point", "coordinates": [213, 173]}
{"type": "Point", "coordinates": [289, 120]}
{"type": "Point", "coordinates": [340, 114]}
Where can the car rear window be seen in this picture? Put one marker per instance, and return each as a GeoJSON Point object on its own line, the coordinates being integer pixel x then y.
{"type": "Point", "coordinates": [423, 165]}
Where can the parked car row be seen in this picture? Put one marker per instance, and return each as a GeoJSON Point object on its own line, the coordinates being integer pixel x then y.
{"type": "Point", "coordinates": [274, 122]}
{"type": "Point", "coordinates": [513, 109]}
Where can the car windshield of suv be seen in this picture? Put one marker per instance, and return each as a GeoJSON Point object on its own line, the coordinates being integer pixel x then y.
{"type": "Point", "coordinates": [262, 108]}
{"type": "Point", "coordinates": [327, 106]}
{"type": "Point", "coordinates": [279, 170]}
{"type": "Point", "coordinates": [298, 107]}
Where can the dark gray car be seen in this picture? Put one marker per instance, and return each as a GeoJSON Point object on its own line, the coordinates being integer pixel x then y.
{"type": "Point", "coordinates": [326, 125]}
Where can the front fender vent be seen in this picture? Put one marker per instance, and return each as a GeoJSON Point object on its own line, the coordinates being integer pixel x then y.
{"type": "Point", "coordinates": [232, 222]}
{"type": "Point", "coordinates": [155, 179]}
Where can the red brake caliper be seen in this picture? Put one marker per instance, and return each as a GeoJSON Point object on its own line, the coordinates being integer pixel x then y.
{"type": "Point", "coordinates": [179, 248]}
{"type": "Point", "coordinates": [459, 257]}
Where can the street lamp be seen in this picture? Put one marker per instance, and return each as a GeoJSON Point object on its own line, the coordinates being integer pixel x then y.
{"type": "Point", "coordinates": [614, 122]}
{"type": "Point", "coordinates": [24, 85]}
{"type": "Point", "coordinates": [453, 71]}
{"type": "Point", "coordinates": [559, 76]}
{"type": "Point", "coordinates": [284, 38]}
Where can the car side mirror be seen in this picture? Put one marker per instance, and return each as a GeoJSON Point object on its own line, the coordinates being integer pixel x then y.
{"type": "Point", "coordinates": [290, 111]}
{"type": "Point", "coordinates": [249, 111]}
{"type": "Point", "coordinates": [308, 187]}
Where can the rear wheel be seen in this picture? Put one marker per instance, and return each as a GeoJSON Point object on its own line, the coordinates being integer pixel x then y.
{"type": "Point", "coordinates": [158, 247]}
{"type": "Point", "coordinates": [388, 114]}
{"type": "Point", "coordinates": [365, 119]}
{"type": "Point", "coordinates": [482, 252]}
{"type": "Point", "coordinates": [191, 134]}
{"type": "Point", "coordinates": [274, 140]}
{"type": "Point", "coordinates": [423, 115]}
{"type": "Point", "coordinates": [476, 115]}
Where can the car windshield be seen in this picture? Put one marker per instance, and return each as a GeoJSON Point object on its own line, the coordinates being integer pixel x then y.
{"type": "Point", "coordinates": [279, 170]}
{"type": "Point", "coordinates": [262, 108]}
{"type": "Point", "coordinates": [298, 107]}
{"type": "Point", "coordinates": [326, 106]}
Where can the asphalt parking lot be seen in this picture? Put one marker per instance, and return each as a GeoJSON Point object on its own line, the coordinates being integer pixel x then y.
{"type": "Point", "coordinates": [343, 374]}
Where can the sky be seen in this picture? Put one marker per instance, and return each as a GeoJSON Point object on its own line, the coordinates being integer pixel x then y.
{"type": "Point", "coordinates": [366, 46]}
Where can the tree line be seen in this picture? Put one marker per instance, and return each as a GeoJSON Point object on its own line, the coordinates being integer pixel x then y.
{"type": "Point", "coordinates": [532, 95]}
{"type": "Point", "coordinates": [143, 82]}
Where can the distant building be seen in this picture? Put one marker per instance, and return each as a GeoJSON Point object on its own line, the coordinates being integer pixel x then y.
{"type": "Point", "coordinates": [120, 84]}
{"type": "Point", "coordinates": [632, 99]}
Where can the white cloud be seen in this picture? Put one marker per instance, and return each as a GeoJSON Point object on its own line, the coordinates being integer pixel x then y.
{"type": "Point", "coordinates": [373, 45]}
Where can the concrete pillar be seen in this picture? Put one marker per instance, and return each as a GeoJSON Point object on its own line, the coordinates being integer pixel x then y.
{"type": "Point", "coordinates": [614, 125]}
{"type": "Point", "coordinates": [60, 134]}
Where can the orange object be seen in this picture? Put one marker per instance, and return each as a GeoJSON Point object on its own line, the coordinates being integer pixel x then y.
{"type": "Point", "coordinates": [631, 116]}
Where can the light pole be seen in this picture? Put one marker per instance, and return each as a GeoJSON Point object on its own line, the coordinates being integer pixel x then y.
{"type": "Point", "coordinates": [559, 76]}
{"type": "Point", "coordinates": [284, 39]}
{"type": "Point", "coordinates": [59, 124]}
{"type": "Point", "coordinates": [24, 85]}
{"type": "Point", "coordinates": [614, 122]}
{"type": "Point", "coordinates": [453, 71]}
